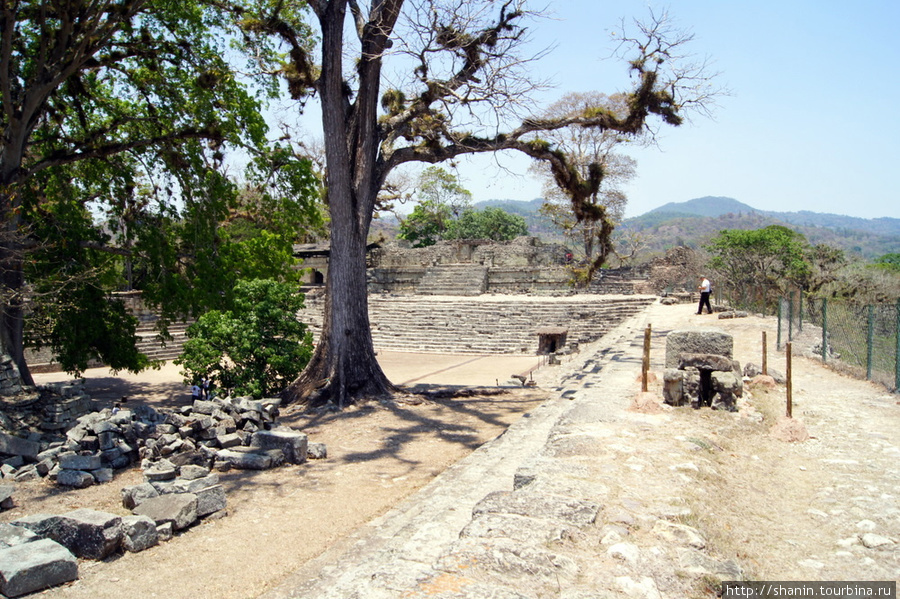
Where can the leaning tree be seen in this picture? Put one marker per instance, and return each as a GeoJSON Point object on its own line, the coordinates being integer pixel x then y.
{"type": "Point", "coordinates": [405, 81]}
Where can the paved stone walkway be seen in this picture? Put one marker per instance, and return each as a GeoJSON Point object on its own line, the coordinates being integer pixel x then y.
{"type": "Point", "coordinates": [537, 512]}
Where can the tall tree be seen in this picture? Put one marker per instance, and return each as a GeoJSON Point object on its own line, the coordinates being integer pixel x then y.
{"type": "Point", "coordinates": [759, 265]}
{"type": "Point", "coordinates": [109, 97]}
{"type": "Point", "coordinates": [584, 147]}
{"type": "Point", "coordinates": [463, 91]}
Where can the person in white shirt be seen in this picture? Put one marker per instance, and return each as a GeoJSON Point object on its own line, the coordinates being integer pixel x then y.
{"type": "Point", "coordinates": [705, 289]}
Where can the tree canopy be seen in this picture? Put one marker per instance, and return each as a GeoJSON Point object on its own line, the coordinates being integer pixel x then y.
{"type": "Point", "coordinates": [126, 110]}
{"type": "Point", "coordinates": [403, 82]}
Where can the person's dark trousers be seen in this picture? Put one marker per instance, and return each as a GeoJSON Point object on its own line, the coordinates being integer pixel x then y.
{"type": "Point", "coordinates": [704, 301]}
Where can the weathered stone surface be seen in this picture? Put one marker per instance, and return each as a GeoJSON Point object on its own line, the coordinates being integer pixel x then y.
{"type": "Point", "coordinates": [211, 500]}
{"type": "Point", "coordinates": [539, 505]}
{"type": "Point", "coordinates": [697, 341]}
{"type": "Point", "coordinates": [245, 458]}
{"type": "Point", "coordinates": [39, 524]}
{"type": "Point", "coordinates": [138, 494]}
{"type": "Point", "coordinates": [751, 370]}
{"type": "Point", "coordinates": [138, 533]}
{"type": "Point", "coordinates": [178, 508]}
{"type": "Point", "coordinates": [34, 566]}
{"type": "Point", "coordinates": [11, 536]}
{"type": "Point", "coordinates": [673, 387]}
{"type": "Point", "coordinates": [679, 534]}
{"type": "Point", "coordinates": [102, 475]}
{"type": "Point", "coordinates": [203, 407]}
{"type": "Point", "coordinates": [74, 478]}
{"type": "Point", "coordinates": [523, 529]}
{"type": "Point", "coordinates": [316, 451]}
{"type": "Point", "coordinates": [11, 445]}
{"type": "Point", "coordinates": [705, 362]}
{"type": "Point", "coordinates": [88, 533]}
{"type": "Point", "coordinates": [73, 461]}
{"type": "Point", "coordinates": [293, 444]}
{"type": "Point", "coordinates": [165, 531]}
{"type": "Point", "coordinates": [191, 472]}
{"type": "Point", "coordinates": [229, 440]}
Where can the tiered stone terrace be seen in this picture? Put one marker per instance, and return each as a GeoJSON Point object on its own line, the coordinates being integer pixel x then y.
{"type": "Point", "coordinates": [485, 324]}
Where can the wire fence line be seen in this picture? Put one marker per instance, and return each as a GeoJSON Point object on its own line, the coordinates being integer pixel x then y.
{"type": "Point", "coordinates": [859, 339]}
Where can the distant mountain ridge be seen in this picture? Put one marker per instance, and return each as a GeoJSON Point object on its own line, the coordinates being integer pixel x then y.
{"type": "Point", "coordinates": [714, 206]}
{"type": "Point", "coordinates": [694, 222]}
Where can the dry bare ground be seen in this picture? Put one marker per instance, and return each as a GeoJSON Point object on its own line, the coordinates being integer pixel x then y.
{"type": "Point", "coordinates": [783, 510]}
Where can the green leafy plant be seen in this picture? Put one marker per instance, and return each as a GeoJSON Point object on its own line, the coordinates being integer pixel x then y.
{"type": "Point", "coordinates": [257, 348]}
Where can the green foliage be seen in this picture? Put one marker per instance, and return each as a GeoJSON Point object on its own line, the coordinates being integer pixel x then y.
{"type": "Point", "coordinates": [445, 212]}
{"type": "Point", "coordinates": [426, 224]}
{"type": "Point", "coordinates": [257, 347]}
{"type": "Point", "coordinates": [490, 223]}
{"type": "Point", "coordinates": [890, 262]}
{"type": "Point", "coordinates": [760, 264]}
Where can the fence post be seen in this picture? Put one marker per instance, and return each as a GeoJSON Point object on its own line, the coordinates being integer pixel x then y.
{"type": "Point", "coordinates": [645, 363]}
{"type": "Point", "coordinates": [790, 385]}
{"type": "Point", "coordinates": [870, 341]}
{"type": "Point", "coordinates": [800, 307]}
{"type": "Point", "coordinates": [824, 330]}
{"type": "Point", "coordinates": [765, 356]}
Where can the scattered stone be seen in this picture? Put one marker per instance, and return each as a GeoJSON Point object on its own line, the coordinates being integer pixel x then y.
{"type": "Point", "coordinates": [627, 552]}
{"type": "Point", "coordinates": [316, 451]}
{"type": "Point", "coordinates": [211, 500]}
{"type": "Point", "coordinates": [178, 508]}
{"type": "Point", "coordinates": [679, 534]}
{"type": "Point", "coordinates": [35, 566]}
{"type": "Point", "coordinates": [88, 533]}
{"type": "Point", "coordinates": [11, 536]}
{"type": "Point", "coordinates": [873, 541]}
{"type": "Point", "coordinates": [73, 461]}
{"type": "Point", "coordinates": [244, 458]}
{"type": "Point", "coordinates": [733, 314]}
{"type": "Point", "coordinates": [138, 533]}
{"type": "Point", "coordinates": [16, 446]}
{"type": "Point", "coordinates": [74, 478]}
{"type": "Point", "coordinates": [293, 444]}
{"type": "Point", "coordinates": [138, 494]}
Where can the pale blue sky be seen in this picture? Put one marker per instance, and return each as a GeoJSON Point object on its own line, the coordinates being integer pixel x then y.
{"type": "Point", "coordinates": [811, 122]}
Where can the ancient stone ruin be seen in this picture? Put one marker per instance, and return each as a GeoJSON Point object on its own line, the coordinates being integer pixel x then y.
{"type": "Point", "coordinates": [701, 370]}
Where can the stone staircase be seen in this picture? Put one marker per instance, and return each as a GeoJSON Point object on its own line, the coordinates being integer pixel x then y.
{"type": "Point", "coordinates": [157, 349]}
{"type": "Point", "coordinates": [618, 281]}
{"type": "Point", "coordinates": [454, 279]}
{"type": "Point", "coordinates": [486, 324]}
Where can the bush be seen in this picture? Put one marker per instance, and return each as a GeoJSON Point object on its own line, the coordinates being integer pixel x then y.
{"type": "Point", "coordinates": [256, 348]}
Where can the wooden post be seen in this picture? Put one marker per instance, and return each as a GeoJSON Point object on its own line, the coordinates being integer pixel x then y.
{"type": "Point", "coordinates": [765, 356]}
{"type": "Point", "coordinates": [790, 399]}
{"type": "Point", "coordinates": [645, 363]}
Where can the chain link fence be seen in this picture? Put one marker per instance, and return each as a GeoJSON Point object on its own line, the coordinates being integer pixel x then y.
{"type": "Point", "coordinates": [859, 339]}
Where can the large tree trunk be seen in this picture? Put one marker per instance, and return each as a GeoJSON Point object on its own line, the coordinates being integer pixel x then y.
{"type": "Point", "coordinates": [344, 367]}
{"type": "Point", "coordinates": [12, 286]}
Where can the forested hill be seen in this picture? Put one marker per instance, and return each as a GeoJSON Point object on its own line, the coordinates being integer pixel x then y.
{"type": "Point", "coordinates": [692, 223]}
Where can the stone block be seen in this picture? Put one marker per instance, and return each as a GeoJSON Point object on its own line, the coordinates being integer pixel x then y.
{"type": "Point", "coordinates": [27, 473]}
{"type": "Point", "coordinates": [229, 440]}
{"type": "Point", "coordinates": [705, 362]}
{"type": "Point", "coordinates": [292, 443]}
{"type": "Point", "coordinates": [697, 341]}
{"type": "Point", "coordinates": [138, 533]}
{"type": "Point", "coordinates": [74, 478]}
{"type": "Point", "coordinates": [138, 494]}
{"type": "Point", "coordinates": [73, 461]}
{"type": "Point", "coordinates": [10, 535]}
{"type": "Point", "coordinates": [192, 471]}
{"type": "Point", "coordinates": [34, 566]}
{"type": "Point", "coordinates": [102, 475]}
{"type": "Point", "coordinates": [568, 510]}
{"type": "Point", "coordinates": [6, 496]}
{"type": "Point", "coordinates": [88, 533]}
{"type": "Point", "coordinates": [673, 387]}
{"type": "Point", "coordinates": [245, 458]}
{"type": "Point", "coordinates": [316, 451]}
{"type": "Point", "coordinates": [17, 446]}
{"type": "Point", "coordinates": [178, 508]}
{"type": "Point", "coordinates": [211, 500]}
{"type": "Point", "coordinates": [203, 407]}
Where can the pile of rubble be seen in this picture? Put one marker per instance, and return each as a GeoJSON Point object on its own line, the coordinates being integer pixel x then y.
{"type": "Point", "coordinates": [218, 433]}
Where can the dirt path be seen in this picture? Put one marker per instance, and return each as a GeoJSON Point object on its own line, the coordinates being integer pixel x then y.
{"type": "Point", "coordinates": [784, 511]}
